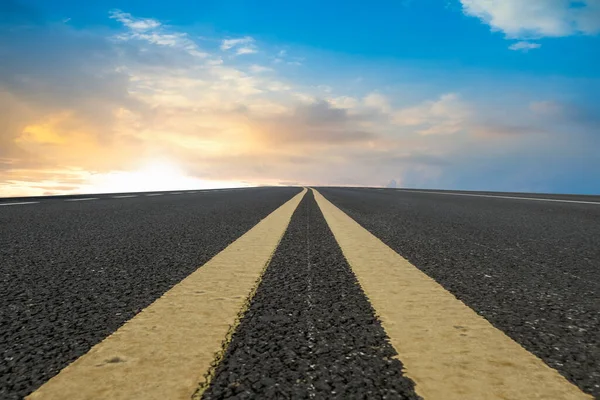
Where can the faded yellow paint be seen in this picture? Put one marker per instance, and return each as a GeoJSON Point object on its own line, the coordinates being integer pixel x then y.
{"type": "Point", "coordinates": [448, 350]}
{"type": "Point", "coordinates": [166, 351]}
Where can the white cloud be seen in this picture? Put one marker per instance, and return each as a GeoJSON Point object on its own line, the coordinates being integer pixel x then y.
{"type": "Point", "coordinates": [154, 32]}
{"type": "Point", "coordinates": [245, 50]}
{"type": "Point", "coordinates": [284, 57]}
{"type": "Point", "coordinates": [445, 115]}
{"type": "Point", "coordinates": [524, 46]}
{"type": "Point", "coordinates": [345, 102]}
{"type": "Point", "coordinates": [135, 24]}
{"type": "Point", "coordinates": [249, 126]}
{"type": "Point", "coordinates": [378, 102]}
{"type": "Point", "coordinates": [227, 44]}
{"type": "Point", "coordinates": [257, 69]}
{"type": "Point", "coordinates": [276, 86]}
{"type": "Point", "coordinates": [244, 45]}
{"type": "Point", "coordinates": [522, 19]}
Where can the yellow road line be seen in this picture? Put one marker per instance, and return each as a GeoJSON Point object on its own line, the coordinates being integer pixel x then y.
{"type": "Point", "coordinates": [165, 351]}
{"type": "Point", "coordinates": [448, 350]}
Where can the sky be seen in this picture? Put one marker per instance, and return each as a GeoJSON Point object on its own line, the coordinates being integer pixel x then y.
{"type": "Point", "coordinates": [132, 95]}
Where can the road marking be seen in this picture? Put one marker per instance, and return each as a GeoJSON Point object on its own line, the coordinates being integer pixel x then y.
{"type": "Point", "coordinates": [175, 193]}
{"type": "Point", "coordinates": [16, 204]}
{"type": "Point", "coordinates": [165, 350]}
{"type": "Point", "coordinates": [125, 196]}
{"type": "Point", "coordinates": [154, 194]}
{"type": "Point", "coordinates": [502, 197]}
{"type": "Point", "coordinates": [193, 192]}
{"type": "Point", "coordinates": [448, 350]}
{"type": "Point", "coordinates": [83, 199]}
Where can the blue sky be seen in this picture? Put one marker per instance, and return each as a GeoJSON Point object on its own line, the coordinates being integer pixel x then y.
{"type": "Point", "coordinates": [455, 94]}
{"type": "Point", "coordinates": [425, 30]}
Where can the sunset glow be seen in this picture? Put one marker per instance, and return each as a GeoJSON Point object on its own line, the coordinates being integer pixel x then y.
{"type": "Point", "coordinates": [154, 176]}
{"type": "Point", "coordinates": [470, 95]}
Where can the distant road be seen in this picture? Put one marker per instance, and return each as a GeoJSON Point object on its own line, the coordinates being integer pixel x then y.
{"type": "Point", "coordinates": [8, 201]}
{"type": "Point", "coordinates": [275, 292]}
{"type": "Point", "coordinates": [530, 267]}
{"type": "Point", "coordinates": [567, 198]}
{"type": "Point", "coordinates": [73, 269]}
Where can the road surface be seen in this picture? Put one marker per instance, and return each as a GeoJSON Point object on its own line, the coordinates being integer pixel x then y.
{"type": "Point", "coordinates": [318, 300]}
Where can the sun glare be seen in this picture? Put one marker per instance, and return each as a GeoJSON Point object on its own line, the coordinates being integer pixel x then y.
{"type": "Point", "coordinates": [154, 176]}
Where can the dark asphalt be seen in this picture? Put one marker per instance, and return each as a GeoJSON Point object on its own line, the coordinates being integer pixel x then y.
{"type": "Point", "coordinates": [309, 331]}
{"type": "Point", "coordinates": [71, 273]}
{"type": "Point", "coordinates": [106, 196]}
{"type": "Point", "coordinates": [553, 196]}
{"type": "Point", "coordinates": [531, 268]}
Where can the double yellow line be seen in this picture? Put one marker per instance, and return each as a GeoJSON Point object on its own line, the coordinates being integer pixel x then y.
{"type": "Point", "coordinates": [170, 349]}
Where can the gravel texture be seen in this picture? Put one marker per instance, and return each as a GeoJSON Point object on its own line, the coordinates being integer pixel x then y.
{"type": "Point", "coordinates": [531, 268]}
{"type": "Point", "coordinates": [71, 273]}
{"type": "Point", "coordinates": [310, 331]}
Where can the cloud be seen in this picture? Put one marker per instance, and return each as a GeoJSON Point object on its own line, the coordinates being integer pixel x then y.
{"type": "Point", "coordinates": [245, 50]}
{"type": "Point", "coordinates": [227, 44]}
{"type": "Point", "coordinates": [519, 19]}
{"type": "Point", "coordinates": [320, 113]}
{"type": "Point", "coordinates": [245, 45]}
{"type": "Point", "coordinates": [445, 115]}
{"type": "Point", "coordinates": [496, 129]}
{"type": "Point", "coordinates": [282, 57]}
{"type": "Point", "coordinates": [524, 46]}
{"type": "Point", "coordinates": [316, 123]}
{"type": "Point", "coordinates": [135, 24]}
{"type": "Point", "coordinates": [84, 104]}
{"type": "Point", "coordinates": [574, 115]}
{"type": "Point", "coordinates": [152, 31]}
{"type": "Point", "coordinates": [377, 101]}
{"type": "Point", "coordinates": [259, 68]}
{"type": "Point", "coordinates": [67, 91]}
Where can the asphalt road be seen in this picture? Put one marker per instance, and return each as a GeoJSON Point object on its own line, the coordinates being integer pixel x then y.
{"type": "Point", "coordinates": [310, 331]}
{"type": "Point", "coordinates": [74, 269]}
{"type": "Point", "coordinates": [585, 198]}
{"type": "Point", "coordinates": [530, 267]}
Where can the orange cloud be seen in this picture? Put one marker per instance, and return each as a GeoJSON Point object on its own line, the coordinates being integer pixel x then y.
{"type": "Point", "coordinates": [93, 113]}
